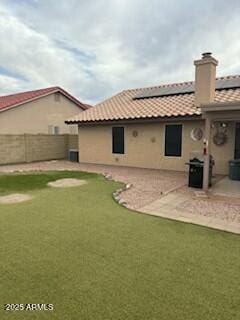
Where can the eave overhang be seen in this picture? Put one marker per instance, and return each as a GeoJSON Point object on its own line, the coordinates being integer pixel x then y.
{"type": "Point", "coordinates": [136, 120]}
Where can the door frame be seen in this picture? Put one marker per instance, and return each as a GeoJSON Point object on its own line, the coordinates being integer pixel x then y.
{"type": "Point", "coordinates": [237, 141]}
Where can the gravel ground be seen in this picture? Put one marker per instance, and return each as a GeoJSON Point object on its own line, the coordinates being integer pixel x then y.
{"type": "Point", "coordinates": [217, 209]}
{"type": "Point", "coordinates": [148, 186]}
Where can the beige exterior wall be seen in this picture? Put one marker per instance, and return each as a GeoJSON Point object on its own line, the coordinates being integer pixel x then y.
{"type": "Point", "coordinates": [95, 146]}
{"type": "Point", "coordinates": [36, 116]}
{"type": "Point", "coordinates": [38, 147]}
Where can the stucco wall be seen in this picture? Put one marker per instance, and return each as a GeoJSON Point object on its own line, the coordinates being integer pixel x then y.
{"type": "Point", "coordinates": [36, 116]}
{"type": "Point", "coordinates": [39, 147]}
{"type": "Point", "coordinates": [95, 145]}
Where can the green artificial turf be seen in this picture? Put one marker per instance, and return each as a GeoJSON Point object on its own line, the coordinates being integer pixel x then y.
{"type": "Point", "coordinates": [10, 183]}
{"type": "Point", "coordinates": [79, 250]}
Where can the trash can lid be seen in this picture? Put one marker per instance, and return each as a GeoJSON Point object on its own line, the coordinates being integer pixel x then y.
{"type": "Point", "coordinates": [195, 160]}
{"type": "Point", "coordinates": [234, 161]}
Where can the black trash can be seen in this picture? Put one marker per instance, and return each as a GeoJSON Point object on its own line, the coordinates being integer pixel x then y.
{"type": "Point", "coordinates": [234, 169]}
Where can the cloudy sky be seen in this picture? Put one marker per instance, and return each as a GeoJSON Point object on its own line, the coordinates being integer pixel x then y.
{"type": "Point", "coordinates": [95, 48]}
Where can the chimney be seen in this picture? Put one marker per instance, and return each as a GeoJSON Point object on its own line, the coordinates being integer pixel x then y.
{"type": "Point", "coordinates": [205, 78]}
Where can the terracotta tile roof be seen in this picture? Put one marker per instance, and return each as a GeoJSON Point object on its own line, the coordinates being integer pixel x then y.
{"type": "Point", "coordinates": [123, 107]}
{"type": "Point", "coordinates": [13, 100]}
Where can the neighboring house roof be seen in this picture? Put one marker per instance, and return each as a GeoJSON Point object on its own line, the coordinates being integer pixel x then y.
{"type": "Point", "coordinates": [127, 105]}
{"type": "Point", "coordinates": [14, 100]}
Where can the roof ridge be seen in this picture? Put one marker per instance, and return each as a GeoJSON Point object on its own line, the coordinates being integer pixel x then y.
{"type": "Point", "coordinates": [29, 91]}
{"type": "Point", "coordinates": [109, 98]}
{"type": "Point", "coordinates": [16, 99]}
{"type": "Point", "coordinates": [231, 76]}
{"type": "Point", "coordinates": [179, 83]}
{"type": "Point", "coordinates": [160, 86]}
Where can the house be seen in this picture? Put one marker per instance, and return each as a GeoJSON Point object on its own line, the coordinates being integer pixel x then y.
{"type": "Point", "coordinates": [163, 127]}
{"type": "Point", "coordinates": [39, 111]}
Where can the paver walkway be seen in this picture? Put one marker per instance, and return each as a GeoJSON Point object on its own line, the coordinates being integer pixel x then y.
{"type": "Point", "coordinates": [159, 193]}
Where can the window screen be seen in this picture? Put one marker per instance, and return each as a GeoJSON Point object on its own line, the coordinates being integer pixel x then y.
{"type": "Point", "coordinates": [237, 142]}
{"type": "Point", "coordinates": [173, 140]}
{"type": "Point", "coordinates": [118, 140]}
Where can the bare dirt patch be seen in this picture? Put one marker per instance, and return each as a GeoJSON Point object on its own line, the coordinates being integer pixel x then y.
{"type": "Point", "coordinates": [68, 182]}
{"type": "Point", "coordinates": [14, 198]}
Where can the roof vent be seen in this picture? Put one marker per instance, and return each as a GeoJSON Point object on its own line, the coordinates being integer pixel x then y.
{"type": "Point", "coordinates": [206, 55]}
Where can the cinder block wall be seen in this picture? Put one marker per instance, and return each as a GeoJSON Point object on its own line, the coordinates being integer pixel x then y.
{"type": "Point", "coordinates": [39, 147]}
{"type": "Point", "coordinates": [73, 141]}
{"type": "Point", "coordinates": [12, 149]}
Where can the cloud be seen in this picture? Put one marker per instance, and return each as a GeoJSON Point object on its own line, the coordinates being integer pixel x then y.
{"type": "Point", "coordinates": [37, 58]}
{"type": "Point", "coordinates": [97, 48]}
{"type": "Point", "coordinates": [11, 74]}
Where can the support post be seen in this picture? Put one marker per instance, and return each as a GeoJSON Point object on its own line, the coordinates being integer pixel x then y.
{"type": "Point", "coordinates": [207, 153]}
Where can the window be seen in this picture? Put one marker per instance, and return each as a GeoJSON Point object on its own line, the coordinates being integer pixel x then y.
{"type": "Point", "coordinates": [53, 129]}
{"type": "Point", "coordinates": [118, 140]}
{"type": "Point", "coordinates": [237, 142]}
{"type": "Point", "coordinates": [173, 140]}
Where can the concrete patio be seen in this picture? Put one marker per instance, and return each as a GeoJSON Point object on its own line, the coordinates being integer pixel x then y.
{"type": "Point", "coordinates": [163, 193]}
{"type": "Point", "coordinates": [219, 213]}
{"type": "Point", "coordinates": [227, 188]}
